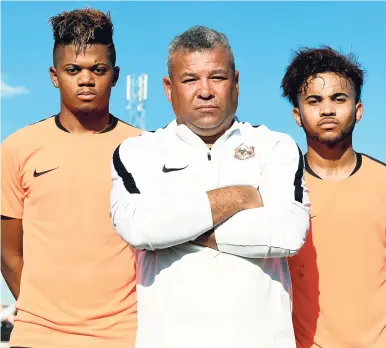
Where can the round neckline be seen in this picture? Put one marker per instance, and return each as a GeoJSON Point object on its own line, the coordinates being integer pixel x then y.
{"type": "Point", "coordinates": [113, 121]}
{"type": "Point", "coordinates": [312, 173]}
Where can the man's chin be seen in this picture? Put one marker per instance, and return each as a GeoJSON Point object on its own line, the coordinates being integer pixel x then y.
{"type": "Point", "coordinates": [86, 109]}
{"type": "Point", "coordinates": [332, 141]}
{"type": "Point", "coordinates": [210, 128]}
{"type": "Point", "coordinates": [207, 130]}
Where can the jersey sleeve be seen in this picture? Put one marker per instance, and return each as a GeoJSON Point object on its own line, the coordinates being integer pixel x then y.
{"type": "Point", "coordinates": [153, 220]}
{"type": "Point", "coordinates": [279, 228]}
{"type": "Point", "coordinates": [12, 193]}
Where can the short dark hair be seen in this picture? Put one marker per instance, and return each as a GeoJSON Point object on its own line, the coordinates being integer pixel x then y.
{"type": "Point", "coordinates": [308, 62]}
{"type": "Point", "coordinates": [82, 28]}
{"type": "Point", "coordinates": [199, 38]}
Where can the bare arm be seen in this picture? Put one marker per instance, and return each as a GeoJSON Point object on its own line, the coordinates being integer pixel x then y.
{"type": "Point", "coordinates": [227, 201]}
{"type": "Point", "coordinates": [224, 204]}
{"type": "Point", "coordinates": [12, 252]}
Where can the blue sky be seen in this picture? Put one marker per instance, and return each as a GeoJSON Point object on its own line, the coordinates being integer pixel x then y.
{"type": "Point", "coordinates": [262, 35]}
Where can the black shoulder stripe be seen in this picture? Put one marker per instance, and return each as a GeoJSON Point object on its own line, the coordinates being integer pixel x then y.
{"type": "Point", "coordinates": [374, 159]}
{"type": "Point", "coordinates": [298, 179]}
{"type": "Point", "coordinates": [126, 177]}
{"type": "Point", "coordinates": [44, 119]}
{"type": "Point", "coordinates": [256, 126]}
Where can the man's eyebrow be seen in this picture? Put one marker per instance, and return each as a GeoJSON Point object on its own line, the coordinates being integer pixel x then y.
{"type": "Point", "coordinates": [314, 96]}
{"type": "Point", "coordinates": [188, 74]}
{"type": "Point", "coordinates": [72, 64]}
{"type": "Point", "coordinates": [77, 66]}
{"type": "Point", "coordinates": [219, 71]}
{"type": "Point", "coordinates": [339, 94]}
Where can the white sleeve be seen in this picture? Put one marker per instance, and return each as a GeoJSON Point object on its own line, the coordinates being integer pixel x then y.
{"type": "Point", "coordinates": [154, 221]}
{"type": "Point", "coordinates": [279, 228]}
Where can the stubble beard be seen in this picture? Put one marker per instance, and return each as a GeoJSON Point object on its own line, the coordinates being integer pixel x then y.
{"type": "Point", "coordinates": [331, 141]}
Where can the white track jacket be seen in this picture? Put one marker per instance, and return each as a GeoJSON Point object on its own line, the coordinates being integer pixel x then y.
{"type": "Point", "coordinates": [191, 296]}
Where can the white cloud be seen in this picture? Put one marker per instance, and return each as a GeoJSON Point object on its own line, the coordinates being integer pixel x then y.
{"type": "Point", "coordinates": [8, 91]}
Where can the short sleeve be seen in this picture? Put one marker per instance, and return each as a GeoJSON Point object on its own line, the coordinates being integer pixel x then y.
{"type": "Point", "coordinates": [12, 193]}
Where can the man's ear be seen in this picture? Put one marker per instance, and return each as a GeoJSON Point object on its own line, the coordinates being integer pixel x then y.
{"type": "Point", "coordinates": [358, 112]}
{"type": "Point", "coordinates": [117, 69]}
{"type": "Point", "coordinates": [167, 82]}
{"type": "Point", "coordinates": [297, 117]}
{"type": "Point", "coordinates": [236, 77]}
{"type": "Point", "coordinates": [54, 76]}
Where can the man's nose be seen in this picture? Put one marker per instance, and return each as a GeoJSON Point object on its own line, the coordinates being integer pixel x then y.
{"type": "Point", "coordinates": [205, 91]}
{"type": "Point", "coordinates": [86, 78]}
{"type": "Point", "coordinates": [327, 109]}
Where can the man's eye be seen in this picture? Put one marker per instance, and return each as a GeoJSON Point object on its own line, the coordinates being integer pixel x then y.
{"type": "Point", "coordinates": [340, 100]}
{"type": "Point", "coordinates": [188, 80]}
{"type": "Point", "coordinates": [71, 70]}
{"type": "Point", "coordinates": [100, 71]}
{"type": "Point", "coordinates": [312, 101]}
{"type": "Point", "coordinates": [219, 78]}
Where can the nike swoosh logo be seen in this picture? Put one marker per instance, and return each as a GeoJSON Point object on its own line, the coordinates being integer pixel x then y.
{"type": "Point", "coordinates": [168, 170]}
{"type": "Point", "coordinates": [36, 174]}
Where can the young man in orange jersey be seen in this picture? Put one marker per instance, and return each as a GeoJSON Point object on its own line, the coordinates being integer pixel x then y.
{"type": "Point", "coordinates": [61, 258]}
{"type": "Point", "coordinates": [339, 276]}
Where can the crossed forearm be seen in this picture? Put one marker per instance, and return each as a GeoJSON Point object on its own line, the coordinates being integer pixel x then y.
{"type": "Point", "coordinates": [227, 201]}
{"type": "Point", "coordinates": [224, 203]}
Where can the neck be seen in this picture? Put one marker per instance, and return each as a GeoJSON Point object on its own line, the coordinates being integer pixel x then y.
{"type": "Point", "coordinates": [81, 123]}
{"type": "Point", "coordinates": [210, 140]}
{"type": "Point", "coordinates": [331, 163]}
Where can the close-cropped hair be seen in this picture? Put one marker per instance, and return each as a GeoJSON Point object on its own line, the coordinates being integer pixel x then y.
{"type": "Point", "coordinates": [309, 62]}
{"type": "Point", "coordinates": [83, 28]}
{"type": "Point", "coordinates": [199, 38]}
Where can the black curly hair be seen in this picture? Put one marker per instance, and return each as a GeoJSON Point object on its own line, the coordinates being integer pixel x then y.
{"type": "Point", "coordinates": [82, 28]}
{"type": "Point", "coordinates": [308, 62]}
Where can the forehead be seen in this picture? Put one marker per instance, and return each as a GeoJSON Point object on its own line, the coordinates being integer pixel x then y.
{"type": "Point", "coordinates": [203, 60]}
{"type": "Point", "coordinates": [327, 84]}
{"type": "Point", "coordinates": [66, 54]}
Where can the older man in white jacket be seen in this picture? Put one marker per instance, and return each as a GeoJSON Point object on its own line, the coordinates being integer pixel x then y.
{"type": "Point", "coordinates": [213, 207]}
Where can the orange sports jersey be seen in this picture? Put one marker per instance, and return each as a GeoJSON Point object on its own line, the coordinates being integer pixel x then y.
{"type": "Point", "coordinates": [78, 280]}
{"type": "Point", "coordinates": [339, 276]}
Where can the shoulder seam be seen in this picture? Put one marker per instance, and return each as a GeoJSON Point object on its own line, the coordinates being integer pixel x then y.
{"type": "Point", "coordinates": [44, 119]}
{"type": "Point", "coordinates": [374, 159]}
{"type": "Point", "coordinates": [119, 120]}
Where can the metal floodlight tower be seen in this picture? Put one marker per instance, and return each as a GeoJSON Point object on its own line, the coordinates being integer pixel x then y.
{"type": "Point", "coordinates": [136, 95]}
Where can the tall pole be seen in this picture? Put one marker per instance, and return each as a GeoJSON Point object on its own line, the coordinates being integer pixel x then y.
{"type": "Point", "coordinates": [136, 96]}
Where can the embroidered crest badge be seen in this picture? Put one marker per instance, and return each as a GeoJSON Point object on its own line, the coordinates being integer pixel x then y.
{"type": "Point", "coordinates": [243, 152]}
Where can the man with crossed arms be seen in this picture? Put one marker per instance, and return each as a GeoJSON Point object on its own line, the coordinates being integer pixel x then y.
{"type": "Point", "coordinates": [213, 207]}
